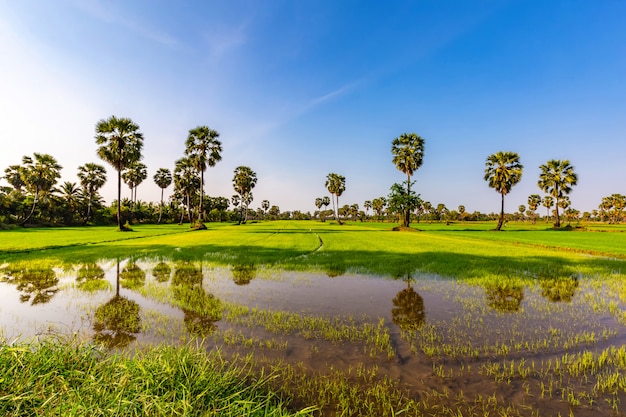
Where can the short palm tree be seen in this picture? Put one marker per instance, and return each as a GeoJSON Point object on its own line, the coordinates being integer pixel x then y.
{"type": "Point", "coordinates": [243, 183]}
{"type": "Point", "coordinates": [503, 170]}
{"type": "Point", "coordinates": [204, 150]}
{"type": "Point", "coordinates": [120, 144]}
{"type": "Point", "coordinates": [133, 176]}
{"type": "Point", "coordinates": [557, 178]}
{"type": "Point", "coordinates": [408, 155]}
{"type": "Point", "coordinates": [534, 200]}
{"type": "Point", "coordinates": [547, 202]}
{"type": "Point", "coordinates": [92, 177]}
{"type": "Point", "coordinates": [186, 182]}
{"type": "Point", "coordinates": [39, 175]}
{"type": "Point", "coordinates": [162, 178]}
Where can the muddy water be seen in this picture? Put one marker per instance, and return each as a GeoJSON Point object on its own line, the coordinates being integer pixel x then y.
{"type": "Point", "coordinates": [444, 334]}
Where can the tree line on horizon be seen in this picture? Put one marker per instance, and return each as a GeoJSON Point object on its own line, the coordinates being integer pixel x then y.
{"type": "Point", "coordinates": [35, 196]}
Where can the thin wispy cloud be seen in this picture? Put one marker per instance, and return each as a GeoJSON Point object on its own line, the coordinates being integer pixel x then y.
{"type": "Point", "coordinates": [106, 13]}
{"type": "Point", "coordinates": [223, 39]}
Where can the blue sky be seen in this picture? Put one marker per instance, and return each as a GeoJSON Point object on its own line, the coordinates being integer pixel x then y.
{"type": "Point", "coordinates": [298, 89]}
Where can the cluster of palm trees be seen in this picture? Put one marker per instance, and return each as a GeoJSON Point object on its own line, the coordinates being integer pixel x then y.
{"type": "Point", "coordinates": [119, 143]}
{"type": "Point", "coordinates": [504, 170]}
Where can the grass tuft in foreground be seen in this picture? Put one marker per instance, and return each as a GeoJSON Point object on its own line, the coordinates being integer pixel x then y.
{"type": "Point", "coordinates": [52, 378]}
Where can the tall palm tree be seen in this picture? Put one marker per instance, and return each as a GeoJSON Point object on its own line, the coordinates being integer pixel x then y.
{"type": "Point", "coordinates": [557, 178]}
{"type": "Point", "coordinates": [92, 177]}
{"type": "Point", "coordinates": [336, 185]}
{"type": "Point", "coordinates": [120, 143]}
{"type": "Point", "coordinates": [243, 183]}
{"type": "Point", "coordinates": [503, 170]}
{"type": "Point", "coordinates": [408, 154]}
{"type": "Point", "coordinates": [39, 175]}
{"type": "Point", "coordinates": [162, 178]}
{"type": "Point", "coordinates": [203, 149]}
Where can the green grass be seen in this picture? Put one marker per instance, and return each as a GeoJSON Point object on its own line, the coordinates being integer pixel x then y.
{"type": "Point", "coordinates": [67, 379]}
{"type": "Point", "coordinates": [81, 380]}
{"type": "Point", "coordinates": [460, 250]}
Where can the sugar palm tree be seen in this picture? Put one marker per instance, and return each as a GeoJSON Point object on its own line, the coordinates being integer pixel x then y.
{"type": "Point", "coordinates": [557, 178]}
{"type": "Point", "coordinates": [204, 150]}
{"type": "Point", "coordinates": [39, 175]}
{"type": "Point", "coordinates": [243, 183]}
{"type": "Point", "coordinates": [265, 204]}
{"type": "Point", "coordinates": [408, 155]}
{"type": "Point", "coordinates": [547, 202]}
{"type": "Point", "coordinates": [133, 176]}
{"type": "Point", "coordinates": [533, 202]}
{"type": "Point", "coordinates": [162, 178]}
{"type": "Point", "coordinates": [503, 170]}
{"type": "Point", "coordinates": [336, 185]}
{"type": "Point", "coordinates": [92, 177]}
{"type": "Point", "coordinates": [13, 175]}
{"type": "Point", "coordinates": [186, 182]}
{"type": "Point", "coordinates": [120, 144]}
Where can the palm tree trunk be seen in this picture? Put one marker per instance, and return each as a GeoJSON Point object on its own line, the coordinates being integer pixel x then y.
{"type": "Point", "coordinates": [501, 214]}
{"type": "Point", "coordinates": [160, 207]}
{"type": "Point", "coordinates": [407, 215]}
{"type": "Point", "coordinates": [119, 197]}
{"type": "Point", "coordinates": [32, 209]}
{"type": "Point", "coordinates": [200, 210]}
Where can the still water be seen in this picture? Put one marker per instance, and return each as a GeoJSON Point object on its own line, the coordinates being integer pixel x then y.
{"type": "Point", "coordinates": [432, 335]}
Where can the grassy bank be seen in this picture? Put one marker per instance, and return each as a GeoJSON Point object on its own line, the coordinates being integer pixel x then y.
{"type": "Point", "coordinates": [67, 379]}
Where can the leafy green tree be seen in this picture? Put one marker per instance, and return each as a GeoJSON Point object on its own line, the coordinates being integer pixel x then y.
{"type": "Point", "coordinates": [557, 178]}
{"type": "Point", "coordinates": [204, 150]}
{"type": "Point", "coordinates": [92, 177]}
{"type": "Point", "coordinates": [408, 155]}
{"type": "Point", "coordinates": [336, 185]}
{"type": "Point", "coordinates": [39, 175]}
{"type": "Point", "coordinates": [402, 199]}
{"type": "Point", "coordinates": [120, 144]}
{"type": "Point", "coordinates": [243, 183]}
{"type": "Point", "coordinates": [163, 179]}
{"type": "Point", "coordinates": [503, 170]}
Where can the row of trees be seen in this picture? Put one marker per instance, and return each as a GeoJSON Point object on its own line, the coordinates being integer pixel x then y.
{"type": "Point", "coordinates": [120, 143]}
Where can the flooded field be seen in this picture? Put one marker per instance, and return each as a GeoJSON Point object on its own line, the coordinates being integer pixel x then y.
{"type": "Point", "coordinates": [550, 346]}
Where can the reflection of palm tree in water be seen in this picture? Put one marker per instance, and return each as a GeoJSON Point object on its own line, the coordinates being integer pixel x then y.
{"type": "Point", "coordinates": [243, 273]}
{"type": "Point", "coordinates": [201, 310]}
{"type": "Point", "coordinates": [408, 312]}
{"type": "Point", "coordinates": [116, 321]}
{"type": "Point", "coordinates": [91, 277]}
{"type": "Point", "coordinates": [505, 296]}
{"type": "Point", "coordinates": [162, 272]}
{"type": "Point", "coordinates": [557, 284]}
{"type": "Point", "coordinates": [37, 285]}
{"type": "Point", "coordinates": [132, 276]}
